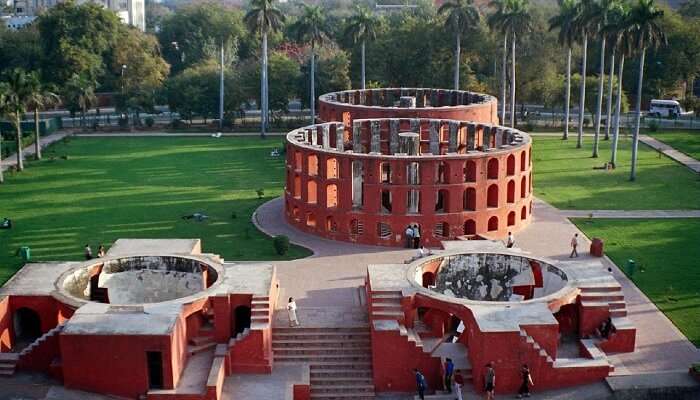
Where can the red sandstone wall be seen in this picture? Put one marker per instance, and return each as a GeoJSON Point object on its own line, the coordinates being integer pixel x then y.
{"type": "Point", "coordinates": [6, 336]}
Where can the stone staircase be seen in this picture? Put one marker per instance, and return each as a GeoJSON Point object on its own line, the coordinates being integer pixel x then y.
{"type": "Point", "coordinates": [260, 312]}
{"type": "Point", "coordinates": [339, 359]}
{"type": "Point", "coordinates": [544, 358]}
{"type": "Point", "coordinates": [8, 363]}
{"type": "Point", "coordinates": [608, 295]}
{"type": "Point", "coordinates": [386, 305]}
{"type": "Point", "coordinates": [199, 344]}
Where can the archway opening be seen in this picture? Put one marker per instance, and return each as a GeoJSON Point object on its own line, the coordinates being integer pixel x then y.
{"type": "Point", "coordinates": [470, 227]}
{"type": "Point", "coordinates": [332, 196]}
{"type": "Point", "coordinates": [492, 169]}
{"type": "Point", "coordinates": [510, 165]}
{"type": "Point", "coordinates": [313, 164]}
{"type": "Point", "coordinates": [492, 196]}
{"type": "Point", "coordinates": [469, 199]}
{"type": "Point", "coordinates": [511, 218]}
{"type": "Point", "coordinates": [511, 192]}
{"type": "Point", "coordinates": [27, 326]}
{"type": "Point", "coordinates": [332, 168]}
{"type": "Point", "coordinates": [493, 224]}
{"type": "Point", "coordinates": [428, 279]}
{"type": "Point", "coordinates": [241, 319]}
{"type": "Point", "coordinates": [311, 192]}
{"type": "Point", "coordinates": [470, 171]}
{"type": "Point", "coordinates": [523, 187]}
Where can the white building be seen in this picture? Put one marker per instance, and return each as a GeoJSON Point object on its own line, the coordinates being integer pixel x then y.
{"type": "Point", "coordinates": [17, 21]}
{"type": "Point", "coordinates": [132, 12]}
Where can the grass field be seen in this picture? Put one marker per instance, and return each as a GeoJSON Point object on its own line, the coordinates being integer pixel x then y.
{"type": "Point", "coordinates": [110, 188]}
{"type": "Point", "coordinates": [565, 177]}
{"type": "Point", "coordinates": [686, 141]}
{"type": "Point", "coordinates": [668, 252]}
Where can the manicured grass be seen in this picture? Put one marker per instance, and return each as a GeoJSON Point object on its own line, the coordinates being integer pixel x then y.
{"type": "Point", "coordinates": [686, 141]}
{"type": "Point", "coordinates": [667, 252]}
{"type": "Point", "coordinates": [565, 177]}
{"type": "Point", "coordinates": [112, 188]}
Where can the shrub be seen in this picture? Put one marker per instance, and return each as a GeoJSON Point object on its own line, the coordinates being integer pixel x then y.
{"type": "Point", "coordinates": [281, 244]}
{"type": "Point", "coordinates": [260, 193]}
{"type": "Point", "coordinates": [150, 122]}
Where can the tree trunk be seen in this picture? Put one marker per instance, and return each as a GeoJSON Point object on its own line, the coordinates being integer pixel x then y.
{"type": "Point", "coordinates": [582, 99]}
{"type": "Point", "coordinates": [313, 86]}
{"type": "Point", "coordinates": [638, 116]}
{"type": "Point", "coordinates": [503, 79]}
{"type": "Point", "coordinates": [37, 136]}
{"type": "Point", "coordinates": [616, 131]}
{"type": "Point", "coordinates": [567, 95]}
{"type": "Point", "coordinates": [458, 51]}
{"type": "Point", "coordinates": [20, 159]}
{"type": "Point", "coordinates": [363, 65]}
{"type": "Point", "coordinates": [2, 176]}
{"type": "Point", "coordinates": [512, 83]}
{"type": "Point", "coordinates": [608, 120]}
{"type": "Point", "coordinates": [599, 106]}
{"type": "Point", "coordinates": [263, 87]}
{"type": "Point", "coordinates": [221, 90]}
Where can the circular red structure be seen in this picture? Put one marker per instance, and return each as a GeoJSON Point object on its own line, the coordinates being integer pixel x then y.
{"type": "Point", "coordinates": [367, 184]}
{"type": "Point", "coordinates": [350, 105]}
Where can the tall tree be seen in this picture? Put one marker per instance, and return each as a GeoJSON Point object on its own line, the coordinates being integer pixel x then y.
{"type": "Point", "coordinates": [512, 18]}
{"type": "Point", "coordinates": [362, 27]}
{"type": "Point", "coordinates": [583, 27]}
{"type": "Point", "coordinates": [264, 17]}
{"type": "Point", "coordinates": [17, 96]}
{"type": "Point", "coordinates": [40, 96]}
{"type": "Point", "coordinates": [646, 32]}
{"type": "Point", "coordinates": [311, 28]}
{"type": "Point", "coordinates": [600, 12]}
{"type": "Point", "coordinates": [617, 30]}
{"type": "Point", "coordinates": [79, 95]}
{"type": "Point", "coordinates": [462, 16]}
{"type": "Point", "coordinates": [565, 21]}
{"type": "Point", "coordinates": [3, 98]}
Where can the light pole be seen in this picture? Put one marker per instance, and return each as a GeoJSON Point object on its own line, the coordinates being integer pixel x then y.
{"type": "Point", "coordinates": [126, 107]}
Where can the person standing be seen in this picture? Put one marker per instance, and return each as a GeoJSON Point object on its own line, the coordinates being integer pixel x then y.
{"type": "Point", "coordinates": [457, 386]}
{"type": "Point", "coordinates": [574, 245]}
{"type": "Point", "coordinates": [449, 373]}
{"type": "Point", "coordinates": [409, 237]}
{"type": "Point", "coordinates": [510, 242]}
{"type": "Point", "coordinates": [526, 382]}
{"type": "Point", "coordinates": [421, 384]}
{"type": "Point", "coordinates": [88, 252]}
{"type": "Point", "coordinates": [416, 236]}
{"type": "Point", "coordinates": [101, 251]}
{"type": "Point", "coordinates": [292, 311]}
{"type": "Point", "coordinates": [490, 381]}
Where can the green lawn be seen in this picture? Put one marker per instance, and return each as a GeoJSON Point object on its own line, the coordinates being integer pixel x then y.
{"type": "Point", "coordinates": [668, 253]}
{"type": "Point", "coordinates": [565, 177]}
{"type": "Point", "coordinates": [110, 188]}
{"type": "Point", "coordinates": [686, 141]}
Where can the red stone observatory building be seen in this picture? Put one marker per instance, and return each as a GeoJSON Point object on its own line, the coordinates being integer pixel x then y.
{"type": "Point", "coordinates": [383, 159]}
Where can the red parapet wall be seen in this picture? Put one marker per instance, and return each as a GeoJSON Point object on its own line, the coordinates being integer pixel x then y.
{"type": "Point", "coordinates": [355, 185]}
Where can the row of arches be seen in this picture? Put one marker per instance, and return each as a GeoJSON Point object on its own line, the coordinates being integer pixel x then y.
{"type": "Point", "coordinates": [312, 165]}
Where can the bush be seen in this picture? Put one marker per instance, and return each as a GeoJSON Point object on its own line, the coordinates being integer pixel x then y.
{"type": "Point", "coordinates": [260, 193]}
{"type": "Point", "coordinates": [653, 126]}
{"type": "Point", "coordinates": [150, 122]}
{"type": "Point", "coordinates": [281, 244]}
{"type": "Point", "coordinates": [124, 122]}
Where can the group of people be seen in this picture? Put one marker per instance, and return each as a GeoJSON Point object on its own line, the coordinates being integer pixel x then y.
{"type": "Point", "coordinates": [100, 252]}
{"type": "Point", "coordinates": [412, 236]}
{"type": "Point", "coordinates": [453, 381]}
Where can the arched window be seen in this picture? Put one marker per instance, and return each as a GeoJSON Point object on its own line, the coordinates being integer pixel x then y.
{"type": "Point", "coordinates": [311, 192]}
{"type": "Point", "coordinates": [428, 279]}
{"type": "Point", "coordinates": [297, 160]}
{"type": "Point", "coordinates": [442, 201]}
{"type": "Point", "coordinates": [529, 156]}
{"type": "Point", "coordinates": [312, 162]}
{"type": "Point", "coordinates": [443, 174]}
{"type": "Point", "coordinates": [523, 213]}
{"type": "Point", "coordinates": [470, 171]}
{"type": "Point", "coordinates": [510, 165]}
{"type": "Point", "coordinates": [469, 199]}
{"type": "Point", "coordinates": [241, 319]}
{"type": "Point", "coordinates": [311, 220]}
{"type": "Point", "coordinates": [331, 196]}
{"type": "Point", "coordinates": [530, 207]}
{"type": "Point", "coordinates": [297, 187]}
{"type": "Point", "coordinates": [493, 224]}
{"type": "Point", "coordinates": [332, 169]}
{"type": "Point", "coordinates": [511, 191]}
{"type": "Point", "coordinates": [470, 227]}
{"type": "Point", "coordinates": [295, 213]}
{"type": "Point", "coordinates": [331, 225]}
{"type": "Point", "coordinates": [523, 163]}
{"type": "Point", "coordinates": [511, 218]}
{"type": "Point", "coordinates": [27, 324]}
{"type": "Point", "coordinates": [523, 187]}
{"type": "Point", "coordinates": [492, 169]}
{"type": "Point", "coordinates": [386, 202]}
{"type": "Point", "coordinates": [492, 196]}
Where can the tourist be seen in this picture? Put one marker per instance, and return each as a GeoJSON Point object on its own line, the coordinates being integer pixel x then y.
{"type": "Point", "coordinates": [416, 236]}
{"type": "Point", "coordinates": [88, 252]}
{"type": "Point", "coordinates": [101, 252]}
{"type": "Point", "coordinates": [526, 382]}
{"type": "Point", "coordinates": [458, 332]}
{"type": "Point", "coordinates": [292, 311]}
{"type": "Point", "coordinates": [421, 253]}
{"type": "Point", "coordinates": [457, 386]}
{"type": "Point", "coordinates": [510, 242]}
{"type": "Point", "coordinates": [6, 223]}
{"type": "Point", "coordinates": [409, 237]}
{"type": "Point", "coordinates": [421, 385]}
{"type": "Point", "coordinates": [490, 381]}
{"type": "Point", "coordinates": [449, 372]}
{"type": "Point", "coordinates": [574, 245]}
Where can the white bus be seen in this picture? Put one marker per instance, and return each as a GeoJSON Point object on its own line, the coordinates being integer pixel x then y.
{"type": "Point", "coordinates": [666, 108]}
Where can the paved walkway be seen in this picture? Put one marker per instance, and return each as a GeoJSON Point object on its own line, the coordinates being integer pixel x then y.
{"type": "Point", "coordinates": [31, 149]}
{"type": "Point", "coordinates": [175, 134]}
{"type": "Point", "coordinates": [669, 151]}
{"type": "Point", "coordinates": [643, 214]}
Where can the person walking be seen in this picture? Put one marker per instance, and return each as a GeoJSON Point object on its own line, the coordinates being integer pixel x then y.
{"type": "Point", "coordinates": [101, 251]}
{"type": "Point", "coordinates": [416, 236]}
{"type": "Point", "coordinates": [574, 245]}
{"type": "Point", "coordinates": [88, 252]}
{"type": "Point", "coordinates": [409, 237]}
{"type": "Point", "coordinates": [457, 386]}
{"type": "Point", "coordinates": [292, 311]}
{"type": "Point", "coordinates": [421, 384]}
{"type": "Point", "coordinates": [490, 381]}
{"type": "Point", "coordinates": [510, 242]}
{"type": "Point", "coordinates": [449, 373]}
{"type": "Point", "coordinates": [526, 382]}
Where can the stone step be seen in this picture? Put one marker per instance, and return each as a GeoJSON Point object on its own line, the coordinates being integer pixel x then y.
{"type": "Point", "coordinates": [397, 315]}
{"type": "Point", "coordinates": [259, 311]}
{"type": "Point", "coordinates": [354, 329]}
{"type": "Point", "coordinates": [365, 342]}
{"type": "Point", "coordinates": [386, 307]}
{"type": "Point", "coordinates": [618, 313]}
{"type": "Point", "coordinates": [344, 396]}
{"type": "Point", "coordinates": [5, 367]}
{"type": "Point", "coordinates": [303, 335]}
{"type": "Point", "coordinates": [343, 389]}
{"type": "Point", "coordinates": [602, 296]}
{"type": "Point", "coordinates": [340, 381]}
{"type": "Point", "coordinates": [329, 358]}
{"type": "Point", "coordinates": [9, 357]}
{"type": "Point", "coordinates": [334, 366]}
{"type": "Point", "coordinates": [329, 373]}
{"type": "Point", "coordinates": [7, 372]}
{"type": "Point", "coordinates": [192, 350]}
{"type": "Point", "coordinates": [322, 350]}
{"type": "Point", "coordinates": [602, 287]}
{"type": "Point", "coordinates": [200, 340]}
{"type": "Point", "coordinates": [386, 296]}
{"type": "Point", "coordinates": [260, 304]}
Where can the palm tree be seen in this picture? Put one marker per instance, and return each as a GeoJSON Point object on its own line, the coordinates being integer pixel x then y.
{"type": "Point", "coordinates": [462, 15]}
{"type": "Point", "coordinates": [3, 91]}
{"type": "Point", "coordinates": [79, 92]}
{"type": "Point", "coordinates": [512, 17]}
{"type": "Point", "coordinates": [601, 12]}
{"type": "Point", "coordinates": [617, 30]}
{"type": "Point", "coordinates": [565, 21]}
{"type": "Point", "coordinates": [17, 96]}
{"type": "Point", "coordinates": [362, 27]}
{"type": "Point", "coordinates": [588, 11]}
{"type": "Point", "coordinates": [40, 97]}
{"type": "Point", "coordinates": [311, 27]}
{"type": "Point", "coordinates": [646, 32]}
{"type": "Point", "coordinates": [263, 18]}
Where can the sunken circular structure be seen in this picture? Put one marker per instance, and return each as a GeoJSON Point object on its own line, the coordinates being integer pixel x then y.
{"type": "Point", "coordinates": [349, 105]}
{"type": "Point", "coordinates": [370, 181]}
{"type": "Point", "coordinates": [489, 277]}
{"type": "Point", "coordinates": [138, 279]}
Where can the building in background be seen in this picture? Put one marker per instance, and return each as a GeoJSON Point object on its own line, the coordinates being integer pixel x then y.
{"type": "Point", "coordinates": [132, 12]}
